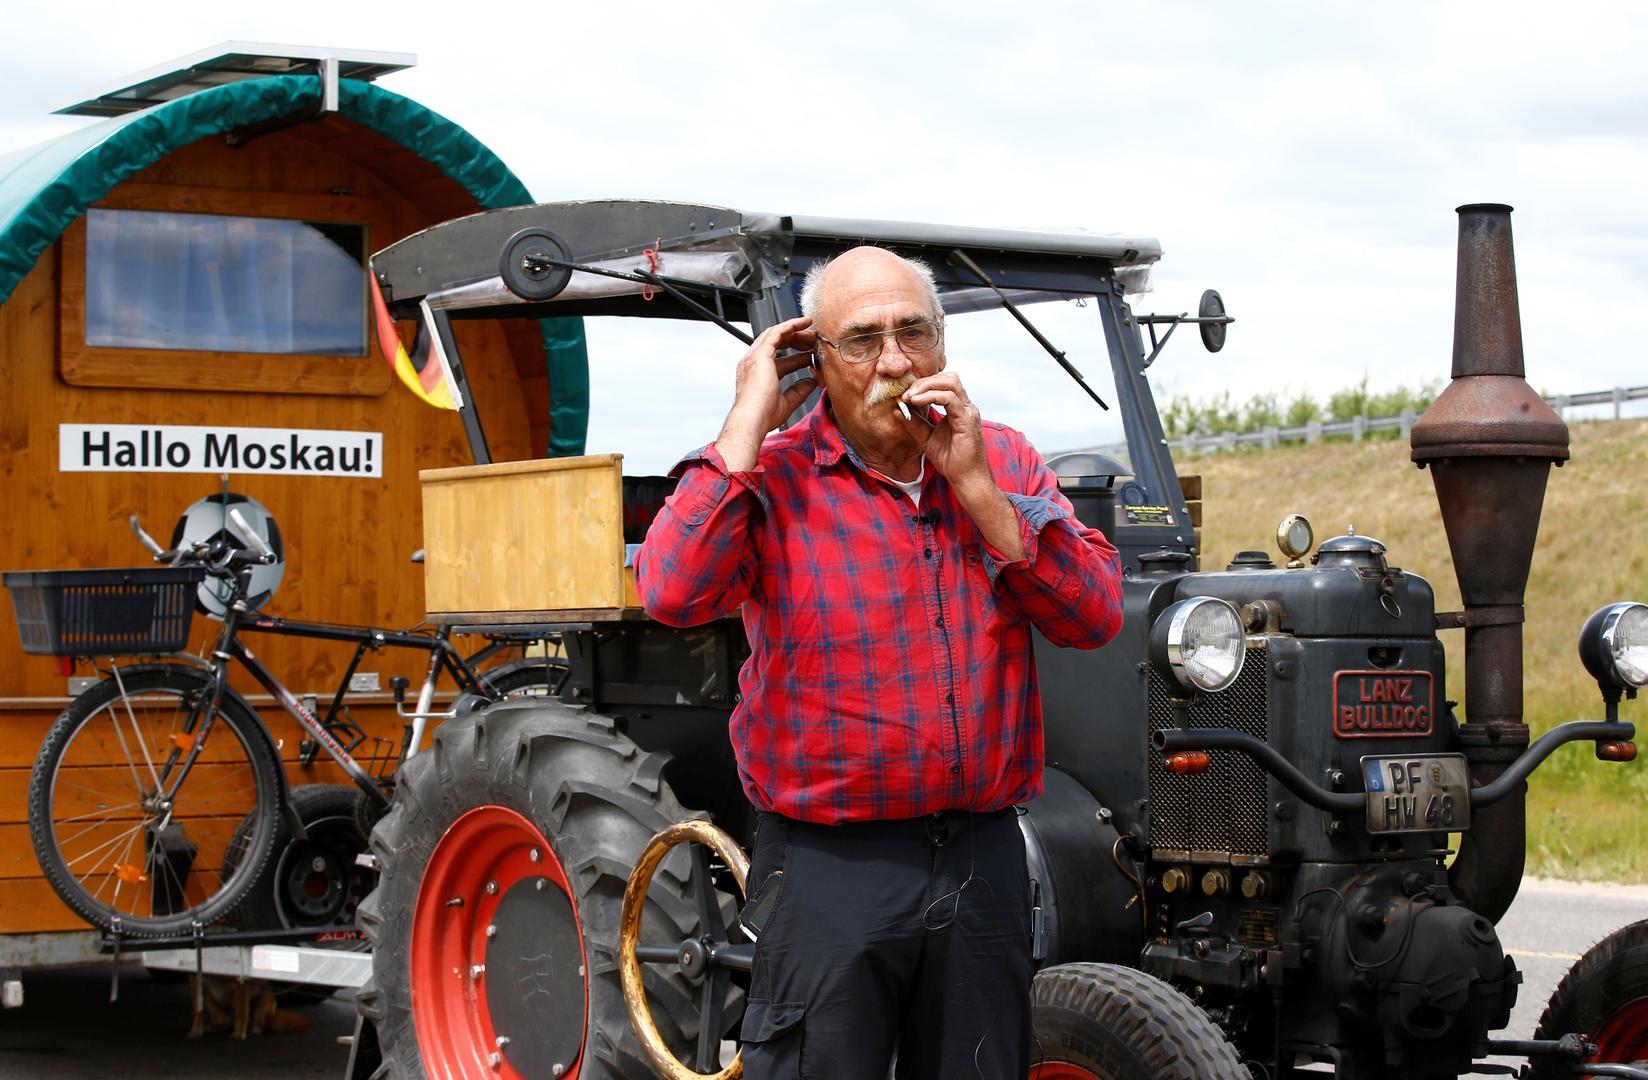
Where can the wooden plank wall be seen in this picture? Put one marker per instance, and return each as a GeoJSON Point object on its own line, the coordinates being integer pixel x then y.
{"type": "Point", "coordinates": [348, 540]}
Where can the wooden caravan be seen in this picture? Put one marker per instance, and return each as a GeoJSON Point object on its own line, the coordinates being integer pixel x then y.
{"type": "Point", "coordinates": [184, 281]}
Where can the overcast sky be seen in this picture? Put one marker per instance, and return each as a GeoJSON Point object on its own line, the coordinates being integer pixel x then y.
{"type": "Point", "coordinates": [1303, 158]}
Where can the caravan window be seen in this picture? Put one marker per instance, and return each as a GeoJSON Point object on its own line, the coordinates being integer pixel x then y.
{"type": "Point", "coordinates": [216, 283]}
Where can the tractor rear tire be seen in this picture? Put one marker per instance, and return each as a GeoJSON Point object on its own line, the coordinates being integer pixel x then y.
{"type": "Point", "coordinates": [1107, 1022]}
{"type": "Point", "coordinates": [508, 846]}
{"type": "Point", "coordinates": [1604, 996]}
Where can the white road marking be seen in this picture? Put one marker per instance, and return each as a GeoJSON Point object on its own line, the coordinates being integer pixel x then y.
{"type": "Point", "coordinates": [1531, 953]}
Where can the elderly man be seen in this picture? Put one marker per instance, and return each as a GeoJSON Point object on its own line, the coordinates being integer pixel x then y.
{"type": "Point", "coordinates": [891, 560]}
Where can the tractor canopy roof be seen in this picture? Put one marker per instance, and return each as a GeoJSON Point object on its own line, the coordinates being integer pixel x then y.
{"type": "Point", "coordinates": [681, 260]}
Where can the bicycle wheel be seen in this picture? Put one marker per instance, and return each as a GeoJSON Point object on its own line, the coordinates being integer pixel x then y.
{"type": "Point", "coordinates": [532, 677]}
{"type": "Point", "coordinates": [120, 855]}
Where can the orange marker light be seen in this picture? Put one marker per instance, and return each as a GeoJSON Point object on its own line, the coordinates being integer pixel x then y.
{"type": "Point", "coordinates": [130, 874]}
{"type": "Point", "coordinates": [1616, 751]}
{"type": "Point", "coordinates": [183, 741]}
{"type": "Point", "coordinates": [1188, 762]}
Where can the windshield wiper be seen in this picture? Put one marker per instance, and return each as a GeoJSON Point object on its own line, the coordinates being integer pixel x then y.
{"type": "Point", "coordinates": [959, 258]}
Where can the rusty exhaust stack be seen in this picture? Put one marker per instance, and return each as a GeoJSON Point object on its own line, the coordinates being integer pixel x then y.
{"type": "Point", "coordinates": [1490, 440]}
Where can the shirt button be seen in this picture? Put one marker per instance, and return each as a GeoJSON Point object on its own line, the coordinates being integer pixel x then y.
{"type": "Point", "coordinates": [955, 768]}
{"type": "Point", "coordinates": [939, 621]}
{"type": "Point", "coordinates": [926, 553]}
{"type": "Point", "coordinates": [949, 699]}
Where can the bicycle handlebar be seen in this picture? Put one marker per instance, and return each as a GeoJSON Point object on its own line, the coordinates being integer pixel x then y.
{"type": "Point", "coordinates": [219, 559]}
{"type": "Point", "coordinates": [249, 536]}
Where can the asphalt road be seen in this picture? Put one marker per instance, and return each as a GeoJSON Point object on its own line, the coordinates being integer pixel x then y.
{"type": "Point", "coordinates": [68, 1030]}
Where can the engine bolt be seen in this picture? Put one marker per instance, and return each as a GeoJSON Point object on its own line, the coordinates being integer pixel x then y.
{"type": "Point", "coordinates": [557, 1069]}
{"type": "Point", "coordinates": [537, 855]}
{"type": "Point", "coordinates": [456, 901]}
{"type": "Point", "coordinates": [492, 888]}
{"type": "Point", "coordinates": [492, 930]}
{"type": "Point", "coordinates": [477, 970]}
{"type": "Point", "coordinates": [580, 971]}
{"type": "Point", "coordinates": [496, 1059]}
{"type": "Point", "coordinates": [501, 1041]}
{"type": "Point", "coordinates": [1215, 883]}
{"type": "Point", "coordinates": [539, 884]}
{"type": "Point", "coordinates": [1255, 885]}
{"type": "Point", "coordinates": [1174, 879]}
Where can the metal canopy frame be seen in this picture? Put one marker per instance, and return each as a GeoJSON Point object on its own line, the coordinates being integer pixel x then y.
{"type": "Point", "coordinates": [229, 62]}
{"type": "Point", "coordinates": [461, 263]}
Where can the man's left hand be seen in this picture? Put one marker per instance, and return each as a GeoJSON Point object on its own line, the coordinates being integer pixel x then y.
{"type": "Point", "coordinates": [955, 445]}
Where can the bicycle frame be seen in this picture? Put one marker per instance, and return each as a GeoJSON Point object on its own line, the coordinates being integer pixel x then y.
{"type": "Point", "coordinates": [229, 647]}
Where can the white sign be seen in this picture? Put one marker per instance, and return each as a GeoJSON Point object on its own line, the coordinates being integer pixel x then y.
{"type": "Point", "coordinates": [173, 448]}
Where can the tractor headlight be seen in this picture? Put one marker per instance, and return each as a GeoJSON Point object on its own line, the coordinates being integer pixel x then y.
{"type": "Point", "coordinates": [1614, 645]}
{"type": "Point", "coordinates": [1200, 642]}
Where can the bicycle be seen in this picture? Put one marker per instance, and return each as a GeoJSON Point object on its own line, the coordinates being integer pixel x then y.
{"type": "Point", "coordinates": [157, 796]}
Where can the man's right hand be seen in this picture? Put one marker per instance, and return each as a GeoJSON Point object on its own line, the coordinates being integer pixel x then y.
{"type": "Point", "coordinates": [758, 404]}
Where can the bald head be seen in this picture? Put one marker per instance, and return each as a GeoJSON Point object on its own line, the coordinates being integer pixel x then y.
{"type": "Point", "coordinates": [865, 271]}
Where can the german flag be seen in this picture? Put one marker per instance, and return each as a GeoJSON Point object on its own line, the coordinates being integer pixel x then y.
{"type": "Point", "coordinates": [424, 370]}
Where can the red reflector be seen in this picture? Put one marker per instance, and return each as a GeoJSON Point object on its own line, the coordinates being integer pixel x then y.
{"type": "Point", "coordinates": [1616, 751]}
{"type": "Point", "coordinates": [65, 666]}
{"type": "Point", "coordinates": [1188, 762]}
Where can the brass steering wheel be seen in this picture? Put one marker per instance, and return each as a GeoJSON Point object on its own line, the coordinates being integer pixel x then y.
{"type": "Point", "coordinates": [711, 956]}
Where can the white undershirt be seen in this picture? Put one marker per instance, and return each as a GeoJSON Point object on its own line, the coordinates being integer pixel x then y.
{"type": "Point", "coordinates": [911, 488]}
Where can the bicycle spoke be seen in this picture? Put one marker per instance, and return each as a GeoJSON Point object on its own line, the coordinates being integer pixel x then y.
{"type": "Point", "coordinates": [63, 841]}
{"type": "Point", "coordinates": [101, 815]}
{"type": "Point", "coordinates": [106, 844]}
{"type": "Point", "coordinates": [97, 793]}
{"type": "Point", "coordinates": [115, 877]}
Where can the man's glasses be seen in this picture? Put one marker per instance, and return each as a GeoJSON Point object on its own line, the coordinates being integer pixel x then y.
{"type": "Point", "coordinates": [917, 337]}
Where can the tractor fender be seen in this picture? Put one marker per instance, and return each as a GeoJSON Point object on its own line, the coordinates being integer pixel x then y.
{"type": "Point", "coordinates": [1072, 853]}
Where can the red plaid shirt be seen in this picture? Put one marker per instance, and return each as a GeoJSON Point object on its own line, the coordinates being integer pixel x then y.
{"type": "Point", "coordinates": [890, 672]}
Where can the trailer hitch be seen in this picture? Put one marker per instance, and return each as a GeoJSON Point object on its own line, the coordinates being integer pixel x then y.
{"type": "Point", "coordinates": [1171, 740]}
{"type": "Point", "coordinates": [1573, 1047]}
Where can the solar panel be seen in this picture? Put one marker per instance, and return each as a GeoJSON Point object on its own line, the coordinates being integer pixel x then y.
{"type": "Point", "coordinates": [229, 62]}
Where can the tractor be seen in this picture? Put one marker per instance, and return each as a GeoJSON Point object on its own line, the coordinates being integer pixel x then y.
{"type": "Point", "coordinates": [1269, 845]}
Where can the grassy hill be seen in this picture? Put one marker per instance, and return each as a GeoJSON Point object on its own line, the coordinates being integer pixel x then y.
{"type": "Point", "coordinates": [1586, 819]}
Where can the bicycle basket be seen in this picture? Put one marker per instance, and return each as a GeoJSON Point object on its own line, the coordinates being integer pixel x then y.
{"type": "Point", "coordinates": [104, 612]}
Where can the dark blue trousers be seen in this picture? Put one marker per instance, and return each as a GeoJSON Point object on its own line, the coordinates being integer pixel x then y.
{"type": "Point", "coordinates": [904, 941]}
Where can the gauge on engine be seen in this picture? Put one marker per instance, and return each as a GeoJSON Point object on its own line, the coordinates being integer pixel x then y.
{"type": "Point", "coordinates": [1614, 645]}
{"type": "Point", "coordinates": [1200, 643]}
{"type": "Point", "coordinates": [1294, 537]}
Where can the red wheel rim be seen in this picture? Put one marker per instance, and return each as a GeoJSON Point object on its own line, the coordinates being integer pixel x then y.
{"type": "Point", "coordinates": [1623, 1037]}
{"type": "Point", "coordinates": [485, 851]}
{"type": "Point", "coordinates": [1060, 1070]}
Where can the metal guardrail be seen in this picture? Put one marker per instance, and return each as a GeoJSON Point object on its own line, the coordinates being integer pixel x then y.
{"type": "Point", "coordinates": [1359, 426]}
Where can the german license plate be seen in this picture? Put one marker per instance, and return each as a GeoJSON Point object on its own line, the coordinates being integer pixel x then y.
{"type": "Point", "coordinates": [1417, 793]}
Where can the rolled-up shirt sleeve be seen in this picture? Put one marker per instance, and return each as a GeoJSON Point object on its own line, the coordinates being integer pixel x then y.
{"type": "Point", "coordinates": [698, 560]}
{"type": "Point", "coordinates": [1069, 582]}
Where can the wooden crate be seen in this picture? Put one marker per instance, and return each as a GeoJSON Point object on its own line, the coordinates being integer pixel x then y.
{"type": "Point", "coordinates": [527, 541]}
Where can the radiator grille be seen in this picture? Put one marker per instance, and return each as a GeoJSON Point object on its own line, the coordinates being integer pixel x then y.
{"type": "Point", "coordinates": [1226, 809]}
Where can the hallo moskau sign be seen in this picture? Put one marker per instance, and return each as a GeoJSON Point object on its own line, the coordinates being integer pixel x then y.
{"type": "Point", "coordinates": [174, 448]}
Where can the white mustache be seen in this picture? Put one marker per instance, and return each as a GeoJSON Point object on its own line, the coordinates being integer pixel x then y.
{"type": "Point", "coordinates": [889, 389]}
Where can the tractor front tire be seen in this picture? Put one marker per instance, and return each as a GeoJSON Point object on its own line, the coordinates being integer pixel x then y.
{"type": "Point", "coordinates": [1604, 997]}
{"type": "Point", "coordinates": [1107, 1022]}
{"type": "Point", "coordinates": [494, 927]}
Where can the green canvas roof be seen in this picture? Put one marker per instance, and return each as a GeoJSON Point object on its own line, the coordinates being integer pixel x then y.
{"type": "Point", "coordinates": [46, 187]}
